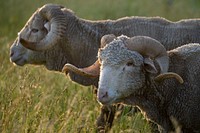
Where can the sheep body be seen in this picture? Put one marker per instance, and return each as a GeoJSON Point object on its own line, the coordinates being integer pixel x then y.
{"type": "Point", "coordinates": [159, 102]}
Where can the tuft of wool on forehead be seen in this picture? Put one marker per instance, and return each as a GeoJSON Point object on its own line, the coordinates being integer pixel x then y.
{"type": "Point", "coordinates": [116, 52]}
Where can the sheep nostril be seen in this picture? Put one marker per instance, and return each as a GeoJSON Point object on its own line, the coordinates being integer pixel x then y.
{"type": "Point", "coordinates": [105, 95]}
{"type": "Point", "coordinates": [11, 54]}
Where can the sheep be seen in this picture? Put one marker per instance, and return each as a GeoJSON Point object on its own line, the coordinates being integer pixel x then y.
{"type": "Point", "coordinates": [54, 36]}
{"type": "Point", "coordinates": [143, 76]}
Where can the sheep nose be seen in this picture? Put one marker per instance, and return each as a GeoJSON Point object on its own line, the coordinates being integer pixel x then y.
{"type": "Point", "coordinates": [103, 97]}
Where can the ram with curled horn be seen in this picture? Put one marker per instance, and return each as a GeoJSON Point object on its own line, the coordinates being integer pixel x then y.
{"type": "Point", "coordinates": [149, 48]}
{"type": "Point", "coordinates": [128, 75]}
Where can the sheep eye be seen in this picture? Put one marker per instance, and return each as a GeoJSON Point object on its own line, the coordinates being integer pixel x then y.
{"type": "Point", "coordinates": [130, 63]}
{"type": "Point", "coordinates": [34, 30]}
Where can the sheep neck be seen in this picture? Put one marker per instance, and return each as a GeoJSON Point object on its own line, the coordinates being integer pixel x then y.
{"type": "Point", "coordinates": [151, 102]}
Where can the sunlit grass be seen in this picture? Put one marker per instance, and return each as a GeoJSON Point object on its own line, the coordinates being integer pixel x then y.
{"type": "Point", "coordinates": [35, 100]}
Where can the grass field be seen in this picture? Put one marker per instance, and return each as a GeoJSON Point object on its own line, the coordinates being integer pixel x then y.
{"type": "Point", "coordinates": [35, 100]}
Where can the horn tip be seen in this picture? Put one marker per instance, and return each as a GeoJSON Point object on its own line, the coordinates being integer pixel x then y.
{"type": "Point", "coordinates": [65, 67]}
{"type": "Point", "coordinates": [167, 75]}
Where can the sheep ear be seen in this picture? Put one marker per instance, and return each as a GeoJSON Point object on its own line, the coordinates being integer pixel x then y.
{"type": "Point", "coordinates": [47, 26]}
{"type": "Point", "coordinates": [149, 66]}
{"type": "Point", "coordinates": [106, 39]}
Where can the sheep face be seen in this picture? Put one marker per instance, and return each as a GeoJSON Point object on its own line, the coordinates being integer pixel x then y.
{"type": "Point", "coordinates": [34, 30]}
{"type": "Point", "coordinates": [44, 30]}
{"type": "Point", "coordinates": [18, 54]}
{"type": "Point", "coordinates": [121, 73]}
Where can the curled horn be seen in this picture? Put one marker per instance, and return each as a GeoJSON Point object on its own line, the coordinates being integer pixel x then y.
{"type": "Point", "coordinates": [149, 47]}
{"type": "Point", "coordinates": [161, 77]}
{"type": "Point", "coordinates": [91, 71]}
{"type": "Point", "coordinates": [94, 69]}
{"type": "Point", "coordinates": [55, 16]}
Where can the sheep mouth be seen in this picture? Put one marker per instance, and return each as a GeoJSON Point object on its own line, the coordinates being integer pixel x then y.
{"type": "Point", "coordinates": [110, 101]}
{"type": "Point", "coordinates": [66, 72]}
{"type": "Point", "coordinates": [18, 61]}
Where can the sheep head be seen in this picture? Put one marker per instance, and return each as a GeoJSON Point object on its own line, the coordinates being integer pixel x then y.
{"type": "Point", "coordinates": [124, 64]}
{"type": "Point", "coordinates": [42, 31]}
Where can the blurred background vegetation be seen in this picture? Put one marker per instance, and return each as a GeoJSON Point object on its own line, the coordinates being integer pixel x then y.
{"type": "Point", "coordinates": [34, 99]}
{"type": "Point", "coordinates": [14, 13]}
